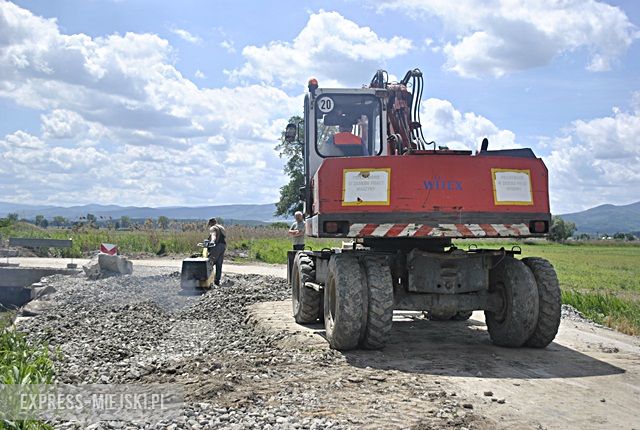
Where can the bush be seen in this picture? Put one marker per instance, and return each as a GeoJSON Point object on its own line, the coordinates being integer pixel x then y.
{"type": "Point", "coordinates": [560, 229]}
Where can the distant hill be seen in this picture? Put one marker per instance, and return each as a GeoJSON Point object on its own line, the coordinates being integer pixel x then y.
{"type": "Point", "coordinates": [264, 212]}
{"type": "Point", "coordinates": [601, 219]}
{"type": "Point", "coordinates": [607, 219]}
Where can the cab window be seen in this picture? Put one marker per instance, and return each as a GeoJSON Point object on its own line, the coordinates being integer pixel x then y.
{"type": "Point", "coordinates": [347, 125]}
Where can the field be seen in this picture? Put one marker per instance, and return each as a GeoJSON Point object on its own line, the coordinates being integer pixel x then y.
{"type": "Point", "coordinates": [600, 279]}
{"type": "Point", "coordinates": [267, 244]}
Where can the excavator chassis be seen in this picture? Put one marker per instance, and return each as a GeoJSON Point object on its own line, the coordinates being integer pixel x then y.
{"type": "Point", "coordinates": [356, 291]}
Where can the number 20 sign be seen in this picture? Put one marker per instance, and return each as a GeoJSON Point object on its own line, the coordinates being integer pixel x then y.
{"type": "Point", "coordinates": [325, 104]}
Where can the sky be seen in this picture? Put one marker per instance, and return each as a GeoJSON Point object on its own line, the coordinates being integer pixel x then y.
{"type": "Point", "coordinates": [147, 103]}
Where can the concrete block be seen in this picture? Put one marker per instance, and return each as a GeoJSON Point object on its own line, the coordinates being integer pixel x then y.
{"type": "Point", "coordinates": [103, 265]}
{"type": "Point", "coordinates": [115, 263]}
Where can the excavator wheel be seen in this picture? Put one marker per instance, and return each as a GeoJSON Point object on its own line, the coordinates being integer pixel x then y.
{"type": "Point", "coordinates": [549, 299]}
{"type": "Point", "coordinates": [514, 324]}
{"type": "Point", "coordinates": [306, 301]}
{"type": "Point", "coordinates": [380, 302]}
{"type": "Point", "coordinates": [344, 302]}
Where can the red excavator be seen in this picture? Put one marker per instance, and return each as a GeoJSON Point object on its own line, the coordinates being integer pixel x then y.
{"type": "Point", "coordinates": [370, 175]}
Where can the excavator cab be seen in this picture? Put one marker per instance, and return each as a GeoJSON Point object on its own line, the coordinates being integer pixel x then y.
{"type": "Point", "coordinates": [343, 123]}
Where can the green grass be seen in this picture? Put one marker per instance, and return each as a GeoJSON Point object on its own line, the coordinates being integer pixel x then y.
{"type": "Point", "coordinates": [86, 241]}
{"type": "Point", "coordinates": [22, 363]}
{"type": "Point", "coordinates": [267, 244]}
{"type": "Point", "coordinates": [606, 308]}
{"type": "Point", "coordinates": [274, 251]}
{"type": "Point", "coordinates": [6, 316]}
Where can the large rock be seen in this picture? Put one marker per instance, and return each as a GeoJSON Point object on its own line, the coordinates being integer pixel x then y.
{"type": "Point", "coordinates": [103, 265]}
{"type": "Point", "coordinates": [35, 308]}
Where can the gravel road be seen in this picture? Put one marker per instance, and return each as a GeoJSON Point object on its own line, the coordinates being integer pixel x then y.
{"type": "Point", "coordinates": [141, 329]}
{"type": "Point", "coordinates": [245, 364]}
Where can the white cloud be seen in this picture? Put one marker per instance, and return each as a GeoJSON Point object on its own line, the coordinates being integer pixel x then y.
{"type": "Point", "coordinates": [22, 141]}
{"type": "Point", "coordinates": [447, 126]}
{"type": "Point", "coordinates": [595, 162]}
{"type": "Point", "coordinates": [331, 48]}
{"type": "Point", "coordinates": [502, 36]}
{"type": "Point", "coordinates": [186, 36]}
{"type": "Point", "coordinates": [227, 42]}
{"type": "Point", "coordinates": [120, 124]}
{"type": "Point", "coordinates": [199, 74]}
{"type": "Point", "coordinates": [228, 46]}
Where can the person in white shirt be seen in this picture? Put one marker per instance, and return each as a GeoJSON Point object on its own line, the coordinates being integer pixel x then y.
{"type": "Point", "coordinates": [296, 232]}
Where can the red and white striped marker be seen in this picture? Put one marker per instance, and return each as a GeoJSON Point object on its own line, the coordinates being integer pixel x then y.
{"type": "Point", "coordinates": [439, 230]}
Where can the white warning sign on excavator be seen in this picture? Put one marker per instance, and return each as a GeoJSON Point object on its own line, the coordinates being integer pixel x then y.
{"type": "Point", "coordinates": [362, 187]}
{"type": "Point", "coordinates": [512, 187]}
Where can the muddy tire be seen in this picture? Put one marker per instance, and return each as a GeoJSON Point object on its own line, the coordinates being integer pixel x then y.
{"type": "Point", "coordinates": [462, 316]}
{"type": "Point", "coordinates": [514, 324]}
{"type": "Point", "coordinates": [307, 303]}
{"type": "Point", "coordinates": [380, 302]}
{"type": "Point", "coordinates": [550, 302]}
{"type": "Point", "coordinates": [344, 302]}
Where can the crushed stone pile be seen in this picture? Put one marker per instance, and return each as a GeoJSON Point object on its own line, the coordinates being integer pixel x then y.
{"type": "Point", "coordinates": [142, 328]}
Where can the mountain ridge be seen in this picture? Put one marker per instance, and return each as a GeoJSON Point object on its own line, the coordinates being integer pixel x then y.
{"type": "Point", "coordinates": [248, 212]}
{"type": "Point", "coordinates": [605, 218]}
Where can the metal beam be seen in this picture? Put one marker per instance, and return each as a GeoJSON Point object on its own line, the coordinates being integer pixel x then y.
{"type": "Point", "coordinates": [40, 243]}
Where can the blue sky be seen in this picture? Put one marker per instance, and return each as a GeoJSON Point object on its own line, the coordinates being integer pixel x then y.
{"type": "Point", "coordinates": [166, 103]}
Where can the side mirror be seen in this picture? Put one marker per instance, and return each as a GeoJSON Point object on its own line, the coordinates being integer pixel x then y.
{"type": "Point", "coordinates": [291, 132]}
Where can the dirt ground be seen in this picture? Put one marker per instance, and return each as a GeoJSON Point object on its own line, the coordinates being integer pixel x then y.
{"type": "Point", "coordinates": [589, 378]}
{"type": "Point", "coordinates": [431, 375]}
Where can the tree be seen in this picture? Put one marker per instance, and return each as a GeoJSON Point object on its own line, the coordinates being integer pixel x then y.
{"type": "Point", "coordinates": [560, 229]}
{"type": "Point", "coordinates": [125, 221]}
{"type": "Point", "coordinates": [290, 193]}
{"type": "Point", "coordinates": [91, 220]}
{"type": "Point", "coordinates": [44, 223]}
{"type": "Point", "coordinates": [59, 221]}
{"type": "Point", "coordinates": [39, 219]}
{"type": "Point", "coordinates": [12, 217]}
{"type": "Point", "coordinates": [163, 222]}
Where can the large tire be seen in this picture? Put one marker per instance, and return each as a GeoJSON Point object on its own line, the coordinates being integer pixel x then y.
{"type": "Point", "coordinates": [380, 302]}
{"type": "Point", "coordinates": [344, 302]}
{"type": "Point", "coordinates": [306, 301]}
{"type": "Point", "coordinates": [550, 302]}
{"type": "Point", "coordinates": [514, 324]}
